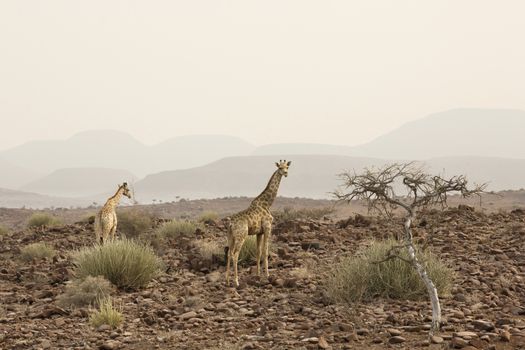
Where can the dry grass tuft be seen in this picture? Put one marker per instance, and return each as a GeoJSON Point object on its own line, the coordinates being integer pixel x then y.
{"type": "Point", "coordinates": [134, 222]}
{"type": "Point", "coordinates": [85, 292]}
{"type": "Point", "coordinates": [107, 314]}
{"type": "Point", "coordinates": [177, 228]}
{"type": "Point", "coordinates": [125, 263]}
{"type": "Point", "coordinates": [37, 251]}
{"type": "Point", "coordinates": [360, 277]}
{"type": "Point", "coordinates": [42, 219]}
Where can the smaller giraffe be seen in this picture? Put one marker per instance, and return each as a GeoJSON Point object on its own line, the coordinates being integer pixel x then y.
{"type": "Point", "coordinates": [256, 220]}
{"type": "Point", "coordinates": [106, 218]}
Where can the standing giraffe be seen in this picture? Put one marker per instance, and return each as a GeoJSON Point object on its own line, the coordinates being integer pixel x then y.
{"type": "Point", "coordinates": [256, 220]}
{"type": "Point", "coordinates": [106, 218]}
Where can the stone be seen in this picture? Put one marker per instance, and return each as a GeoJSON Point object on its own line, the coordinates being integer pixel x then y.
{"type": "Point", "coordinates": [110, 345]}
{"type": "Point", "coordinates": [323, 344]}
{"type": "Point", "coordinates": [393, 332]}
{"type": "Point", "coordinates": [458, 343]}
{"type": "Point", "coordinates": [396, 340]}
{"type": "Point", "coordinates": [45, 344]}
{"type": "Point", "coordinates": [104, 327]}
{"type": "Point", "coordinates": [436, 339]}
{"type": "Point", "coordinates": [466, 335]}
{"type": "Point", "coordinates": [188, 315]}
{"type": "Point", "coordinates": [505, 335]}
{"type": "Point", "coordinates": [483, 325]}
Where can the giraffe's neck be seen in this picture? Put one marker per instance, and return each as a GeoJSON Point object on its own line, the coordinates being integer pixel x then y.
{"type": "Point", "coordinates": [266, 198]}
{"type": "Point", "coordinates": [113, 200]}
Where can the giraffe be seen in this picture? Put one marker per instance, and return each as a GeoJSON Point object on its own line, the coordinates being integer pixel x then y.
{"type": "Point", "coordinates": [106, 218]}
{"type": "Point", "coordinates": [256, 220]}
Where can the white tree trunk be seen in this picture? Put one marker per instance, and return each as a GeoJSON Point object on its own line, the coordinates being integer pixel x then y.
{"type": "Point", "coordinates": [431, 288]}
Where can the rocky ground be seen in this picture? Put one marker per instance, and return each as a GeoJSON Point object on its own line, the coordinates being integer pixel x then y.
{"type": "Point", "coordinates": [189, 307]}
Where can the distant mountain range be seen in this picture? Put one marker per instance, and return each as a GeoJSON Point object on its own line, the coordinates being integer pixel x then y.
{"type": "Point", "coordinates": [485, 144]}
{"type": "Point", "coordinates": [80, 182]}
{"type": "Point", "coordinates": [311, 176]}
{"type": "Point", "coordinates": [19, 199]}
{"type": "Point", "coordinates": [117, 150]}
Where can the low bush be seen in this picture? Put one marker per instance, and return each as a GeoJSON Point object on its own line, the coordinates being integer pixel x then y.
{"type": "Point", "coordinates": [289, 214]}
{"type": "Point", "coordinates": [107, 314]}
{"type": "Point", "coordinates": [85, 292]}
{"type": "Point", "coordinates": [125, 263]}
{"type": "Point", "coordinates": [208, 216]}
{"type": "Point", "coordinates": [37, 251]}
{"type": "Point", "coordinates": [42, 219]}
{"type": "Point", "coordinates": [134, 222]}
{"type": "Point", "coordinates": [209, 251]}
{"type": "Point", "coordinates": [177, 228]}
{"type": "Point", "coordinates": [361, 277]}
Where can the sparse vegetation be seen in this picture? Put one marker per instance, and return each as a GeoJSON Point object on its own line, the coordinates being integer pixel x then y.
{"type": "Point", "coordinates": [3, 230]}
{"type": "Point", "coordinates": [37, 251]}
{"type": "Point", "coordinates": [42, 219]}
{"type": "Point", "coordinates": [85, 292]}
{"type": "Point", "coordinates": [289, 214]}
{"type": "Point", "coordinates": [248, 252]}
{"type": "Point", "coordinates": [177, 228]}
{"type": "Point", "coordinates": [208, 216]}
{"type": "Point", "coordinates": [107, 314]}
{"type": "Point", "coordinates": [366, 275]}
{"type": "Point", "coordinates": [209, 251]}
{"type": "Point", "coordinates": [134, 222]}
{"type": "Point", "coordinates": [125, 263]}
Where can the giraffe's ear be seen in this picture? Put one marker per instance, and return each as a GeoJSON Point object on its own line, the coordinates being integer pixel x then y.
{"type": "Point", "coordinates": [276, 164]}
{"type": "Point", "coordinates": [289, 162]}
{"type": "Point", "coordinates": [125, 184]}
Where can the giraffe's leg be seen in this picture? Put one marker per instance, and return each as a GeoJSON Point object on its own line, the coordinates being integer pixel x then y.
{"type": "Point", "coordinates": [267, 230]}
{"type": "Point", "coordinates": [112, 233]}
{"type": "Point", "coordinates": [259, 253]}
{"type": "Point", "coordinates": [228, 260]}
{"type": "Point", "coordinates": [235, 256]}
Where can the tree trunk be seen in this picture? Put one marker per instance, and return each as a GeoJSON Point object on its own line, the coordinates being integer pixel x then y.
{"type": "Point", "coordinates": [431, 288]}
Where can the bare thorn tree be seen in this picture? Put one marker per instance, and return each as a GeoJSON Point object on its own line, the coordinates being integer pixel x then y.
{"type": "Point", "coordinates": [377, 188]}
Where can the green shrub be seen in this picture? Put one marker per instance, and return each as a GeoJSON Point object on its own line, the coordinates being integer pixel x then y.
{"type": "Point", "coordinates": [125, 263]}
{"type": "Point", "coordinates": [177, 228]}
{"type": "Point", "coordinates": [134, 222]}
{"type": "Point", "coordinates": [289, 214]}
{"type": "Point", "coordinates": [208, 216]}
{"type": "Point", "coordinates": [85, 292]}
{"type": "Point", "coordinates": [107, 314]}
{"type": "Point", "coordinates": [361, 277]}
{"type": "Point", "coordinates": [42, 219]}
{"type": "Point", "coordinates": [37, 251]}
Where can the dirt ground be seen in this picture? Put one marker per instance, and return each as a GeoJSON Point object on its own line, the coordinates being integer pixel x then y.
{"type": "Point", "coordinates": [189, 306]}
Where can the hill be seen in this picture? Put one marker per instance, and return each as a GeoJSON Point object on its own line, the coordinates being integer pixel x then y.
{"type": "Point", "coordinates": [457, 132]}
{"type": "Point", "coordinates": [311, 176]}
{"type": "Point", "coordinates": [118, 150]}
{"type": "Point", "coordinates": [14, 176]}
{"type": "Point", "coordinates": [20, 199]}
{"type": "Point", "coordinates": [80, 182]}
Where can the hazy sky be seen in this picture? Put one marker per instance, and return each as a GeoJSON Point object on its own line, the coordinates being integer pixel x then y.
{"type": "Point", "coordinates": [269, 71]}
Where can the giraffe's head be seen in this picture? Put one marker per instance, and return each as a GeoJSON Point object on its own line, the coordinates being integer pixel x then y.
{"type": "Point", "coordinates": [125, 190]}
{"type": "Point", "coordinates": [283, 166]}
